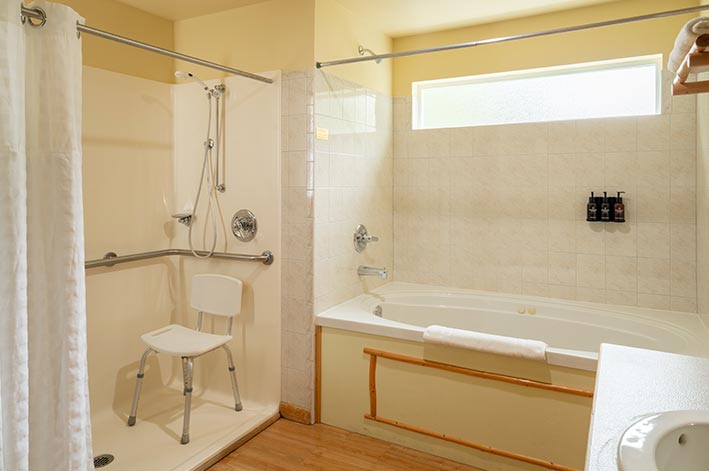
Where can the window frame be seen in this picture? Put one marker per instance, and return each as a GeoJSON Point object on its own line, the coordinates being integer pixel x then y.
{"type": "Point", "coordinates": [417, 88]}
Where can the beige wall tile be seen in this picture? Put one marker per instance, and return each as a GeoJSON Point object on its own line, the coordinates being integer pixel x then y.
{"type": "Point", "coordinates": [591, 295]}
{"type": "Point", "coordinates": [654, 276]}
{"type": "Point", "coordinates": [683, 242]}
{"type": "Point", "coordinates": [562, 137]}
{"type": "Point", "coordinates": [653, 132]}
{"type": "Point", "coordinates": [510, 203]}
{"type": "Point", "coordinates": [683, 131]}
{"type": "Point", "coordinates": [620, 134]}
{"type": "Point", "coordinates": [590, 271]}
{"type": "Point", "coordinates": [654, 169]}
{"type": "Point", "coordinates": [683, 278]}
{"type": "Point", "coordinates": [621, 273]}
{"type": "Point", "coordinates": [562, 292]}
{"type": "Point", "coordinates": [590, 136]}
{"type": "Point", "coordinates": [622, 298]}
{"type": "Point", "coordinates": [621, 239]}
{"type": "Point", "coordinates": [621, 170]}
{"type": "Point", "coordinates": [562, 269]}
{"type": "Point", "coordinates": [683, 168]}
{"type": "Point", "coordinates": [653, 301]}
{"type": "Point", "coordinates": [653, 240]}
{"type": "Point", "coordinates": [683, 304]}
{"type": "Point", "coordinates": [590, 238]}
{"type": "Point", "coordinates": [562, 170]}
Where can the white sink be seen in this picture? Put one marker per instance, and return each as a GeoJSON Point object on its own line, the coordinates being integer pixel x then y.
{"type": "Point", "coordinates": [671, 441]}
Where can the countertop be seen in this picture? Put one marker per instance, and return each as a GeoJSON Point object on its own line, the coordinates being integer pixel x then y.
{"type": "Point", "coordinates": [632, 383]}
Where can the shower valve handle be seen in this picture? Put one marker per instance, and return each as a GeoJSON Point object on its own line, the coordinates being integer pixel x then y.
{"type": "Point", "coordinates": [362, 238]}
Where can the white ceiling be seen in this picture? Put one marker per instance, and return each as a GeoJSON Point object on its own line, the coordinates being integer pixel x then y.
{"type": "Point", "coordinates": [181, 9]}
{"type": "Point", "coordinates": [392, 17]}
{"type": "Point", "coordinates": [404, 17]}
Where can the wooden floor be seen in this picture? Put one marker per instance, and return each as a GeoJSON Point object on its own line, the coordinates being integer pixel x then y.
{"type": "Point", "coordinates": [290, 446]}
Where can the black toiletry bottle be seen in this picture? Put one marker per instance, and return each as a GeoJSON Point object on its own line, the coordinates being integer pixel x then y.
{"type": "Point", "coordinates": [591, 209]}
{"type": "Point", "coordinates": [619, 208]}
{"type": "Point", "coordinates": [605, 208]}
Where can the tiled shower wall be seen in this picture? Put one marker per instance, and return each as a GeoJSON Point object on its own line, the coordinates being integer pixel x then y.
{"type": "Point", "coordinates": [353, 185]}
{"type": "Point", "coordinates": [329, 186]}
{"type": "Point", "coordinates": [502, 208]}
{"type": "Point", "coordinates": [297, 357]}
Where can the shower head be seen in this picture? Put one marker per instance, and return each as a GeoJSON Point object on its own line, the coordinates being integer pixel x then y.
{"type": "Point", "coordinates": [186, 75]}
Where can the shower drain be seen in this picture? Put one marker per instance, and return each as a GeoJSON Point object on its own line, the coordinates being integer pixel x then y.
{"type": "Point", "coordinates": [103, 460]}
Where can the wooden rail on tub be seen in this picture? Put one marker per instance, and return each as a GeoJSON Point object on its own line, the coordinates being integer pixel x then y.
{"type": "Point", "coordinates": [374, 354]}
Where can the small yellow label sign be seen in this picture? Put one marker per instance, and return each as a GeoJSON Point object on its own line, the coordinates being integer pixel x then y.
{"type": "Point", "coordinates": [322, 134]}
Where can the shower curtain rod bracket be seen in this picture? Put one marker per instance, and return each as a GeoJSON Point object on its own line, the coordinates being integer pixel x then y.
{"type": "Point", "coordinates": [36, 13]}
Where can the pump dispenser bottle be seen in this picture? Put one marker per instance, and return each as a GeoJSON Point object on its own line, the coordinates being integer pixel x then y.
{"type": "Point", "coordinates": [605, 208]}
{"type": "Point", "coordinates": [592, 209]}
{"type": "Point", "coordinates": [619, 208]}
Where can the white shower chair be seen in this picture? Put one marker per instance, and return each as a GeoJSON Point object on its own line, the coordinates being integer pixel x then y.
{"type": "Point", "coordinates": [219, 295]}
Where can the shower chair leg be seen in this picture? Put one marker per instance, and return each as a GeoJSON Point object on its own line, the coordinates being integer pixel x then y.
{"type": "Point", "coordinates": [187, 371]}
{"type": "Point", "coordinates": [232, 372]}
{"type": "Point", "coordinates": [138, 384]}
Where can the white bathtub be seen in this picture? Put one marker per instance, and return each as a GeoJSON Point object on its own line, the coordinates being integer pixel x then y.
{"type": "Point", "coordinates": [574, 331]}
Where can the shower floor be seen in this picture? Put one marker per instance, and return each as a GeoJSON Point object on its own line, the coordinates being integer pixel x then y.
{"type": "Point", "coordinates": [153, 444]}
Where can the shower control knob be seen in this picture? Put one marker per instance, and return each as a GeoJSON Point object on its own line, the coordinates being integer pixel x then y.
{"type": "Point", "coordinates": [244, 225]}
{"type": "Point", "coordinates": [362, 238]}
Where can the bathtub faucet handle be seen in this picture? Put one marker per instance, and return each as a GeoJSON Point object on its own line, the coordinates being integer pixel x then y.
{"type": "Point", "coordinates": [362, 238]}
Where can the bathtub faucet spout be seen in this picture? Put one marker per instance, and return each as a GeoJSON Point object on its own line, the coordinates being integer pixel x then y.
{"type": "Point", "coordinates": [372, 271]}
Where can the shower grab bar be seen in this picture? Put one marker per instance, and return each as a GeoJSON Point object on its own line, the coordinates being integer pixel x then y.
{"type": "Point", "coordinates": [111, 259]}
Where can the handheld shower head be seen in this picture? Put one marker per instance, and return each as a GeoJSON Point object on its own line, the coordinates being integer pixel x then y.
{"type": "Point", "coordinates": [186, 75]}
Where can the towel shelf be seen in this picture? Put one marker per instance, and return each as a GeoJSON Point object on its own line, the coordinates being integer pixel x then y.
{"type": "Point", "coordinates": [111, 259]}
{"type": "Point", "coordinates": [694, 59]}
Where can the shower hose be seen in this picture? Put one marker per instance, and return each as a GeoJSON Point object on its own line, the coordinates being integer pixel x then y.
{"type": "Point", "coordinates": [213, 208]}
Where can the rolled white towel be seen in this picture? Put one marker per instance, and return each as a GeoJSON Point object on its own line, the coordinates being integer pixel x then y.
{"type": "Point", "coordinates": [498, 344]}
{"type": "Point", "coordinates": [685, 40]}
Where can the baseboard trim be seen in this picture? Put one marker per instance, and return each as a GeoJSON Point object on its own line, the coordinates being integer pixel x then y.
{"type": "Point", "coordinates": [295, 413]}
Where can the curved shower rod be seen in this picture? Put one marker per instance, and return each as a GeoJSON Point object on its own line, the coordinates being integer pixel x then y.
{"type": "Point", "coordinates": [482, 42]}
{"type": "Point", "coordinates": [39, 14]}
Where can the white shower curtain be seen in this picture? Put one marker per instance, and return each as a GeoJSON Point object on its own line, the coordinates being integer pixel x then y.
{"type": "Point", "coordinates": [44, 405]}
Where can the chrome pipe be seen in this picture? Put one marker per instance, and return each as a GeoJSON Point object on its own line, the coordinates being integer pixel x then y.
{"type": "Point", "coordinates": [39, 15]}
{"type": "Point", "coordinates": [111, 259]}
{"type": "Point", "coordinates": [482, 42]}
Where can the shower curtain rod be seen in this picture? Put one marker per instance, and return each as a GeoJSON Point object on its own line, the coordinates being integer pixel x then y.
{"type": "Point", "coordinates": [39, 14]}
{"type": "Point", "coordinates": [482, 42]}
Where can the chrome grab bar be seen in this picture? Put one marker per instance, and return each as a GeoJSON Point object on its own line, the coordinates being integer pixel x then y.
{"type": "Point", "coordinates": [111, 259]}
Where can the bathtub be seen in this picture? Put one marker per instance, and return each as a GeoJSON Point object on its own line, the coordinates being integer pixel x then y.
{"type": "Point", "coordinates": [573, 331]}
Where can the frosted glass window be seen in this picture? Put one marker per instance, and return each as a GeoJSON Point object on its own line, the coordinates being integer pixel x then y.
{"type": "Point", "coordinates": [623, 87]}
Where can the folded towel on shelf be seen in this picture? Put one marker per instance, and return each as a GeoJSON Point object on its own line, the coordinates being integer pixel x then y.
{"type": "Point", "coordinates": [497, 344]}
{"type": "Point", "coordinates": [685, 40]}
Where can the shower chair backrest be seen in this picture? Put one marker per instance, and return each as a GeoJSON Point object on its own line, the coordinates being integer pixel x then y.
{"type": "Point", "coordinates": [216, 294]}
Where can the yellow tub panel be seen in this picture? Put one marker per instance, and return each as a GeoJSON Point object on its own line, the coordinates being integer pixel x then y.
{"type": "Point", "coordinates": [542, 424]}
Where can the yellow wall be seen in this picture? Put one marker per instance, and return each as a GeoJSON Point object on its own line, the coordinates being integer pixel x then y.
{"type": "Point", "coordinates": [338, 32]}
{"type": "Point", "coordinates": [272, 35]}
{"type": "Point", "coordinates": [647, 37]}
{"type": "Point", "coordinates": [130, 22]}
